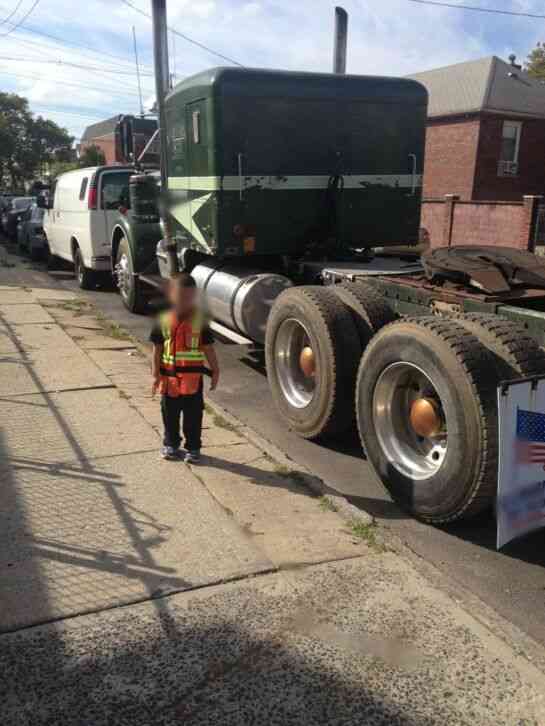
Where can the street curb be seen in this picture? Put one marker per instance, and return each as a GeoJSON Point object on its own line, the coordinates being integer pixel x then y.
{"type": "Point", "coordinates": [339, 503]}
{"type": "Point", "coordinates": [317, 486]}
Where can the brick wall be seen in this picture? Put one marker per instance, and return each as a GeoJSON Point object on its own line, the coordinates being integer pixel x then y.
{"type": "Point", "coordinates": [107, 144]}
{"type": "Point", "coordinates": [531, 174]}
{"type": "Point", "coordinates": [459, 222]}
{"type": "Point", "coordinates": [451, 151]}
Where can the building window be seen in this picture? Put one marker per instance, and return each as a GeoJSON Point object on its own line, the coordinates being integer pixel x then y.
{"type": "Point", "coordinates": [510, 144]}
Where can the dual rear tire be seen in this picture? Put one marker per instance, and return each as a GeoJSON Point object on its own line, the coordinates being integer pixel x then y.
{"type": "Point", "coordinates": [423, 390]}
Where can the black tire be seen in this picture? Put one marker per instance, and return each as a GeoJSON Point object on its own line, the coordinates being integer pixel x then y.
{"type": "Point", "coordinates": [462, 373]}
{"type": "Point", "coordinates": [35, 253]}
{"type": "Point", "coordinates": [368, 308]}
{"type": "Point", "coordinates": [515, 352]}
{"type": "Point", "coordinates": [334, 339]}
{"type": "Point", "coordinates": [131, 294]}
{"type": "Point", "coordinates": [87, 279]}
{"type": "Point", "coordinates": [51, 261]}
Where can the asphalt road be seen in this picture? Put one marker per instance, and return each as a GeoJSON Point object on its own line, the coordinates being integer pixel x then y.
{"type": "Point", "coordinates": [511, 581]}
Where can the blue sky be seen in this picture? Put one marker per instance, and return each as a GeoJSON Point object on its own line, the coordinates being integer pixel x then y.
{"type": "Point", "coordinates": [386, 37]}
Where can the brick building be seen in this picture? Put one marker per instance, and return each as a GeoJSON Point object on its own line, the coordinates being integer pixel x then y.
{"type": "Point", "coordinates": [486, 131]}
{"type": "Point", "coordinates": [106, 136]}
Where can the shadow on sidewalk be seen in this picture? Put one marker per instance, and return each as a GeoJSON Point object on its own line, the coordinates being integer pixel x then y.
{"type": "Point", "coordinates": [26, 551]}
{"type": "Point", "coordinates": [218, 662]}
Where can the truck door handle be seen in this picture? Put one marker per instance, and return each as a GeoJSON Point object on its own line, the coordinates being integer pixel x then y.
{"type": "Point", "coordinates": [240, 185]}
{"type": "Point", "coordinates": [413, 180]}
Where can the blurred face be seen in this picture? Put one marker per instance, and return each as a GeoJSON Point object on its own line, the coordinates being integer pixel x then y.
{"type": "Point", "coordinates": [182, 299]}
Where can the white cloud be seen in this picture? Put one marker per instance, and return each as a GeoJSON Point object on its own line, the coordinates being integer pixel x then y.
{"type": "Point", "coordinates": [390, 37]}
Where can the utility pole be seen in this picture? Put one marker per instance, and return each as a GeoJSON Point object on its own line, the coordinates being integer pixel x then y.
{"type": "Point", "coordinates": [160, 57]}
{"type": "Point", "coordinates": [138, 72]}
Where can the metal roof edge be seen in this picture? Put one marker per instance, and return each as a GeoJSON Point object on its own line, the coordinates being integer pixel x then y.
{"type": "Point", "coordinates": [490, 81]}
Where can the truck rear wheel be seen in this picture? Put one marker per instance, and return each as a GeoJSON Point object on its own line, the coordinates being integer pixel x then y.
{"type": "Point", "coordinates": [427, 417]}
{"type": "Point", "coordinates": [127, 282]}
{"type": "Point", "coordinates": [368, 307]}
{"type": "Point", "coordinates": [312, 351]}
{"type": "Point", "coordinates": [515, 352]}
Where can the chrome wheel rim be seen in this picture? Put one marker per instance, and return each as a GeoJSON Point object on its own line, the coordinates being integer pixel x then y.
{"type": "Point", "coordinates": [398, 388]}
{"type": "Point", "coordinates": [123, 276]}
{"type": "Point", "coordinates": [291, 339]}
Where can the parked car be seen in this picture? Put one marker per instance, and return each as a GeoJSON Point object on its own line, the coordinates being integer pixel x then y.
{"type": "Point", "coordinates": [82, 211]}
{"type": "Point", "coordinates": [30, 232]}
{"type": "Point", "coordinates": [12, 214]}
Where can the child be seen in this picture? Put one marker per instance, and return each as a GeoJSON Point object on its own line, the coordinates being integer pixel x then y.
{"type": "Point", "coordinates": [182, 342]}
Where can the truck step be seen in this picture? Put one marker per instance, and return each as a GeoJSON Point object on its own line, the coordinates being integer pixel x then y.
{"type": "Point", "coordinates": [153, 280]}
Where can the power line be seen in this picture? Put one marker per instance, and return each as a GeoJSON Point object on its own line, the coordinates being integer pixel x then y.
{"type": "Point", "coordinates": [67, 63]}
{"type": "Point", "coordinates": [9, 17]}
{"type": "Point", "coordinates": [22, 20]}
{"type": "Point", "coordinates": [477, 9]}
{"type": "Point", "coordinates": [63, 41]}
{"type": "Point", "coordinates": [185, 37]}
{"type": "Point", "coordinates": [104, 89]}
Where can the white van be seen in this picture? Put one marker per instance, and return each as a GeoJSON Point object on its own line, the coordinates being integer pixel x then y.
{"type": "Point", "coordinates": [82, 209]}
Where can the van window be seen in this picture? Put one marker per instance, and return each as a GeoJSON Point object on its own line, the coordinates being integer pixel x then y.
{"type": "Point", "coordinates": [115, 189]}
{"type": "Point", "coordinates": [83, 189]}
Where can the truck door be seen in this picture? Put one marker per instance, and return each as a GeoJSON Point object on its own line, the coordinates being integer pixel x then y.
{"type": "Point", "coordinates": [198, 218]}
{"type": "Point", "coordinates": [113, 193]}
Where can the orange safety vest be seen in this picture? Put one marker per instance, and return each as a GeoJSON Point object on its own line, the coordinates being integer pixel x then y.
{"type": "Point", "coordinates": [182, 363]}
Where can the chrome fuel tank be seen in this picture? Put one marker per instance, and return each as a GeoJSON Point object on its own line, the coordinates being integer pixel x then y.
{"type": "Point", "coordinates": [240, 299]}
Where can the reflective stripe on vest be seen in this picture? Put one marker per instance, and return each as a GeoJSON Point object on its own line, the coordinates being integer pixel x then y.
{"type": "Point", "coordinates": [182, 367]}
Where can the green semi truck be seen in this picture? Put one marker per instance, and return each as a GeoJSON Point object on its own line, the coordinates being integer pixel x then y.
{"type": "Point", "coordinates": [282, 194]}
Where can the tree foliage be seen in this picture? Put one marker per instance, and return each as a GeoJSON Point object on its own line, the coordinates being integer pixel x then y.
{"type": "Point", "coordinates": [535, 62]}
{"type": "Point", "coordinates": [27, 143]}
{"type": "Point", "coordinates": [92, 156]}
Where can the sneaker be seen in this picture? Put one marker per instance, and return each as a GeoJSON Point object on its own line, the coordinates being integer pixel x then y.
{"type": "Point", "coordinates": [170, 453]}
{"type": "Point", "coordinates": [192, 457]}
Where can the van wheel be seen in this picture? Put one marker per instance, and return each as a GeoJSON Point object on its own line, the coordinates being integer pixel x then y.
{"type": "Point", "coordinates": [51, 261]}
{"type": "Point", "coordinates": [130, 287]}
{"type": "Point", "coordinates": [427, 417]}
{"type": "Point", "coordinates": [87, 279]}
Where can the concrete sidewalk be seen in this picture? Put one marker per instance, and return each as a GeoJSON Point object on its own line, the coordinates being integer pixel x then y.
{"type": "Point", "coordinates": [138, 591]}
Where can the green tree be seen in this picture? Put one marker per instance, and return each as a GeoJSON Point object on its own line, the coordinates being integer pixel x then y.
{"type": "Point", "coordinates": [535, 62]}
{"type": "Point", "coordinates": [92, 156]}
{"type": "Point", "coordinates": [27, 144]}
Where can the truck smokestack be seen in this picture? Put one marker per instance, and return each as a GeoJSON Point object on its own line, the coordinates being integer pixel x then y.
{"type": "Point", "coordinates": [162, 77]}
{"type": "Point", "coordinates": [339, 43]}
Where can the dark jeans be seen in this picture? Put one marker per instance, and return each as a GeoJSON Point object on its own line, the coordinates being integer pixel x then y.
{"type": "Point", "coordinates": [191, 408]}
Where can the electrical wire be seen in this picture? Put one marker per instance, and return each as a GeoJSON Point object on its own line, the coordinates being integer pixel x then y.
{"type": "Point", "coordinates": [63, 41]}
{"type": "Point", "coordinates": [104, 89]}
{"type": "Point", "coordinates": [67, 63]}
{"type": "Point", "coordinates": [22, 20]}
{"type": "Point", "coordinates": [477, 9]}
{"type": "Point", "coordinates": [185, 37]}
{"type": "Point", "coordinates": [9, 17]}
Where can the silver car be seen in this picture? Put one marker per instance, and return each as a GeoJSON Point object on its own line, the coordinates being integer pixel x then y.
{"type": "Point", "coordinates": [30, 232]}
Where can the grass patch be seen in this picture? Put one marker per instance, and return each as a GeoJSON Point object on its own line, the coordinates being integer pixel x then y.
{"type": "Point", "coordinates": [112, 330]}
{"type": "Point", "coordinates": [221, 422]}
{"type": "Point", "coordinates": [78, 307]}
{"type": "Point", "coordinates": [327, 505]}
{"type": "Point", "coordinates": [286, 473]}
{"type": "Point", "coordinates": [367, 532]}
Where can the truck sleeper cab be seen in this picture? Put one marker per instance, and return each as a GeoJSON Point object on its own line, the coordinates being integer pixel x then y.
{"type": "Point", "coordinates": [279, 163]}
{"type": "Point", "coordinates": [82, 211]}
